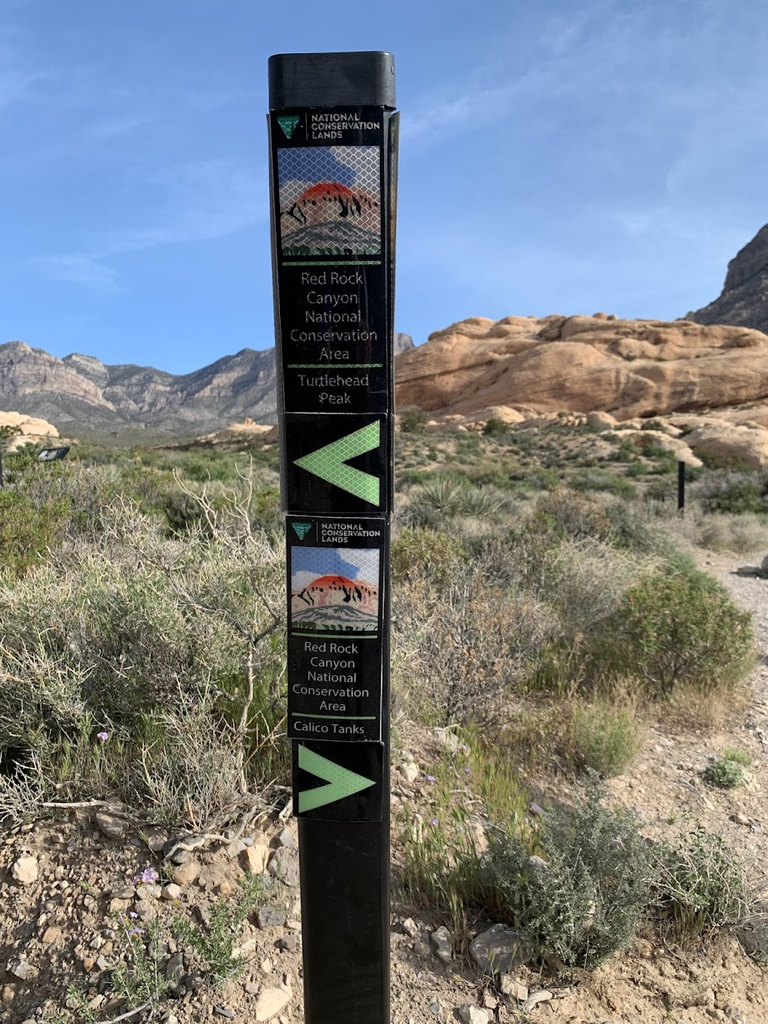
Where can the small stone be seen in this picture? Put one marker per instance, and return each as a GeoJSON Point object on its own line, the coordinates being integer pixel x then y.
{"type": "Point", "coordinates": [111, 826]}
{"type": "Point", "coordinates": [284, 865]}
{"type": "Point", "coordinates": [224, 888]}
{"type": "Point", "coordinates": [490, 1002]}
{"type": "Point", "coordinates": [25, 870]}
{"type": "Point", "coordinates": [155, 838]}
{"type": "Point", "coordinates": [293, 925]}
{"type": "Point", "coordinates": [270, 917]}
{"type": "Point", "coordinates": [739, 818]}
{"type": "Point", "coordinates": [150, 891]}
{"type": "Point", "coordinates": [185, 874]}
{"type": "Point", "coordinates": [266, 965]}
{"type": "Point", "coordinates": [146, 910]}
{"type": "Point", "coordinates": [102, 963]}
{"type": "Point", "coordinates": [51, 935]}
{"type": "Point", "coordinates": [285, 838]}
{"type": "Point", "coordinates": [251, 988]}
{"type": "Point", "coordinates": [511, 987]}
{"type": "Point", "coordinates": [443, 942]}
{"type": "Point", "coordinates": [472, 1014]}
{"type": "Point", "coordinates": [253, 859]}
{"type": "Point", "coordinates": [542, 996]}
{"type": "Point", "coordinates": [410, 771]}
{"type": "Point", "coordinates": [498, 949]}
{"type": "Point", "coordinates": [171, 891]}
{"type": "Point", "coordinates": [235, 848]}
{"type": "Point", "coordinates": [538, 865]}
{"type": "Point", "coordinates": [174, 969]}
{"type": "Point", "coordinates": [271, 1002]}
{"type": "Point", "coordinates": [535, 810]}
{"type": "Point", "coordinates": [410, 927]}
{"type": "Point", "coordinates": [124, 892]}
{"type": "Point", "coordinates": [223, 1011]}
{"type": "Point", "coordinates": [289, 943]}
{"type": "Point", "coordinates": [8, 994]}
{"type": "Point", "coordinates": [23, 970]}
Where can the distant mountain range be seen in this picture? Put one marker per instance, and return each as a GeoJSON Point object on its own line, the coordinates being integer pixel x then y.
{"type": "Point", "coordinates": [743, 301]}
{"type": "Point", "coordinates": [84, 397]}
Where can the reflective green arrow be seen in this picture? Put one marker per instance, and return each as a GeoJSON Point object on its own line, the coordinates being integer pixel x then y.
{"type": "Point", "coordinates": [329, 463]}
{"type": "Point", "coordinates": [341, 781]}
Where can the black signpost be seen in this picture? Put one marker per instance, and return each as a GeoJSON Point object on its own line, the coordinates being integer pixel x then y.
{"type": "Point", "coordinates": [333, 142]}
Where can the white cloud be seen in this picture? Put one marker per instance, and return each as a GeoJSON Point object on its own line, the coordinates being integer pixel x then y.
{"type": "Point", "coordinates": [82, 269]}
{"type": "Point", "coordinates": [299, 580]}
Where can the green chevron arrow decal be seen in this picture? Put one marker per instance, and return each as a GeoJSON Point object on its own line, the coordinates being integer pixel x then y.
{"type": "Point", "coordinates": [341, 781]}
{"type": "Point", "coordinates": [329, 463]}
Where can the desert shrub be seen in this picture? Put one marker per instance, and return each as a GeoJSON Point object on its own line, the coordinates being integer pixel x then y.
{"type": "Point", "coordinates": [736, 493]}
{"type": "Point", "coordinates": [421, 554]}
{"type": "Point", "coordinates": [699, 884]}
{"type": "Point", "coordinates": [494, 427]}
{"type": "Point", "coordinates": [585, 901]}
{"type": "Point", "coordinates": [727, 771]}
{"type": "Point", "coordinates": [413, 421]}
{"type": "Point", "coordinates": [602, 480]}
{"type": "Point", "coordinates": [485, 642]}
{"type": "Point", "coordinates": [742, 534]}
{"type": "Point", "coordinates": [677, 628]}
{"type": "Point", "coordinates": [569, 514]}
{"type": "Point", "coordinates": [170, 648]}
{"type": "Point", "coordinates": [630, 527]}
{"type": "Point", "coordinates": [27, 531]}
{"type": "Point", "coordinates": [605, 738]}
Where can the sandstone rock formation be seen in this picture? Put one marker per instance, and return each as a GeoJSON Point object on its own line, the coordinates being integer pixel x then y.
{"type": "Point", "coordinates": [744, 298]}
{"type": "Point", "coordinates": [628, 368]}
{"type": "Point", "coordinates": [31, 429]}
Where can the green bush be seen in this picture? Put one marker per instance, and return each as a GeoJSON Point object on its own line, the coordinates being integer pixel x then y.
{"type": "Point", "coordinates": [495, 427]}
{"type": "Point", "coordinates": [699, 884]}
{"type": "Point", "coordinates": [606, 739]}
{"type": "Point", "coordinates": [28, 531]}
{"type": "Point", "coordinates": [413, 421]}
{"type": "Point", "coordinates": [421, 554]}
{"type": "Point", "coordinates": [737, 493]}
{"type": "Point", "coordinates": [585, 901]}
{"type": "Point", "coordinates": [677, 628]}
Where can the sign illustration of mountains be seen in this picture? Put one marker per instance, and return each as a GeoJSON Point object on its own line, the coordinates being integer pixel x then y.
{"type": "Point", "coordinates": [330, 201]}
{"type": "Point", "coordinates": [336, 603]}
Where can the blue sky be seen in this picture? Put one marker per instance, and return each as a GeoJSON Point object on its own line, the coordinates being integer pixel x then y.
{"type": "Point", "coordinates": [558, 157]}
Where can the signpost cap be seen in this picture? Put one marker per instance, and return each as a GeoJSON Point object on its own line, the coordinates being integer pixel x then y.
{"type": "Point", "coordinates": [355, 79]}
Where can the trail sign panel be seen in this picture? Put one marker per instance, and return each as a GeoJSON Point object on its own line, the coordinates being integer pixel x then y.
{"type": "Point", "coordinates": [336, 597]}
{"type": "Point", "coordinates": [333, 140]}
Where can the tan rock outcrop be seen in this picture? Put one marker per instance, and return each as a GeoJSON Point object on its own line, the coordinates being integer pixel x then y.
{"type": "Point", "coordinates": [32, 430]}
{"type": "Point", "coordinates": [627, 368]}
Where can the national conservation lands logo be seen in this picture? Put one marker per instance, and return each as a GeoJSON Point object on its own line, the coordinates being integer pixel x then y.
{"type": "Point", "coordinates": [288, 123]}
{"type": "Point", "coordinates": [302, 529]}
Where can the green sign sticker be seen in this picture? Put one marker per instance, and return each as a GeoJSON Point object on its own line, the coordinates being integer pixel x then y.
{"type": "Point", "coordinates": [330, 463]}
{"type": "Point", "coordinates": [340, 781]}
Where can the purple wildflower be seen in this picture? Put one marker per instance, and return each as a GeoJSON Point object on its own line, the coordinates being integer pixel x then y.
{"type": "Point", "coordinates": [467, 771]}
{"type": "Point", "coordinates": [103, 736]}
{"type": "Point", "coordinates": [149, 875]}
{"type": "Point", "coordinates": [431, 779]}
{"type": "Point", "coordinates": [133, 914]}
{"type": "Point", "coordinates": [434, 821]}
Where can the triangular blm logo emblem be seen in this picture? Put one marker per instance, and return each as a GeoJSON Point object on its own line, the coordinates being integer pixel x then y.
{"type": "Point", "coordinates": [288, 124]}
{"type": "Point", "coordinates": [302, 529]}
